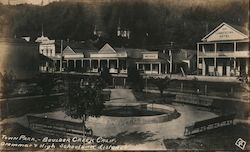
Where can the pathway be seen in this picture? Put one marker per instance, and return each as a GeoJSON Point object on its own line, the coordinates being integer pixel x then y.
{"type": "Point", "coordinates": [122, 95]}
{"type": "Point", "coordinates": [135, 137]}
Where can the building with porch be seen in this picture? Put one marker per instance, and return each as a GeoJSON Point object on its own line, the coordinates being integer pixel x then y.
{"type": "Point", "coordinates": [72, 56]}
{"type": "Point", "coordinates": [92, 60]}
{"type": "Point", "coordinates": [153, 63]}
{"type": "Point", "coordinates": [84, 58]}
{"type": "Point", "coordinates": [108, 57]}
{"type": "Point", "coordinates": [224, 52]}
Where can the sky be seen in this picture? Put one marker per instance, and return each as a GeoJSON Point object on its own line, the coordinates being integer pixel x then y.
{"type": "Point", "coordinates": [34, 2]}
{"type": "Point", "coordinates": [174, 2]}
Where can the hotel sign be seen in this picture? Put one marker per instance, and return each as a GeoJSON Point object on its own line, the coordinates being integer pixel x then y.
{"type": "Point", "coordinates": [150, 56]}
{"type": "Point", "coordinates": [226, 33]}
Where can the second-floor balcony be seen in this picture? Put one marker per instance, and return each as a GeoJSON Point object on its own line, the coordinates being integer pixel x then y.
{"type": "Point", "coordinates": [222, 54]}
{"type": "Point", "coordinates": [94, 70]}
{"type": "Point", "coordinates": [123, 71]}
{"type": "Point", "coordinates": [151, 72]}
{"type": "Point", "coordinates": [112, 70]}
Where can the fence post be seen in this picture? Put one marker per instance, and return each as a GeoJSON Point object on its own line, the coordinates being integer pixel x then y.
{"type": "Point", "coordinates": [181, 86]}
{"type": "Point", "coordinates": [205, 89]}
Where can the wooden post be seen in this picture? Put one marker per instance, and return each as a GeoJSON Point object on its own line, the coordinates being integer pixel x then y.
{"type": "Point", "coordinates": [90, 66]}
{"type": "Point", "coordinates": [235, 48]}
{"type": "Point", "coordinates": [74, 64]}
{"type": "Point", "coordinates": [124, 82]}
{"type": "Point", "coordinates": [198, 62]}
{"type": "Point", "coordinates": [205, 89]}
{"type": "Point", "coordinates": [215, 58]}
{"type": "Point", "coordinates": [159, 68]}
{"type": "Point", "coordinates": [181, 86]}
{"type": "Point", "coordinates": [108, 63]}
{"type": "Point", "coordinates": [151, 68]}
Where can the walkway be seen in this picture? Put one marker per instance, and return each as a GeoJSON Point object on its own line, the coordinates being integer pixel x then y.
{"type": "Point", "coordinates": [122, 95]}
{"type": "Point", "coordinates": [134, 137]}
{"type": "Point", "coordinates": [209, 96]}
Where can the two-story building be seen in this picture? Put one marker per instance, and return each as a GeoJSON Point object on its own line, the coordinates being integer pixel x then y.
{"type": "Point", "coordinates": [224, 52]}
{"type": "Point", "coordinates": [46, 46]}
{"type": "Point", "coordinates": [47, 51]}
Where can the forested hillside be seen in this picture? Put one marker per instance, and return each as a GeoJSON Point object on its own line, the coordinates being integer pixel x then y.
{"type": "Point", "coordinates": [150, 22]}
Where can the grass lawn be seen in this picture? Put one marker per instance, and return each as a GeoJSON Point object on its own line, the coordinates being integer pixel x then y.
{"type": "Point", "coordinates": [218, 139]}
{"type": "Point", "coordinates": [16, 130]}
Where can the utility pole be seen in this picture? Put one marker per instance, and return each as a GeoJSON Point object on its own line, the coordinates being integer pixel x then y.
{"type": "Point", "coordinates": [61, 60]}
{"type": "Point", "coordinates": [171, 58]}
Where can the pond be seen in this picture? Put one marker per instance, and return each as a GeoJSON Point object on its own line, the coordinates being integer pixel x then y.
{"type": "Point", "coordinates": [130, 111]}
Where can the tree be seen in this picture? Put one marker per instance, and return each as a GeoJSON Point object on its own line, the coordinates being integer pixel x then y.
{"type": "Point", "coordinates": [82, 102]}
{"type": "Point", "coordinates": [161, 83]}
{"type": "Point", "coordinates": [135, 79]}
{"type": "Point", "coordinates": [46, 82]}
{"type": "Point", "coordinates": [7, 83]}
{"type": "Point", "coordinates": [8, 80]}
{"type": "Point", "coordinates": [106, 77]}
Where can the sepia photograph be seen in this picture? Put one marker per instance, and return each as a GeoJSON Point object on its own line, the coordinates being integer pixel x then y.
{"type": "Point", "coordinates": [124, 75]}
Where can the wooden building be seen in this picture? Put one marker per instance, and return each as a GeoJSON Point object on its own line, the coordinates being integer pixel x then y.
{"type": "Point", "coordinates": [224, 52]}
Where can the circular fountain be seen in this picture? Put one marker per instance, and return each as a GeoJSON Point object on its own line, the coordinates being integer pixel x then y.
{"type": "Point", "coordinates": [137, 113]}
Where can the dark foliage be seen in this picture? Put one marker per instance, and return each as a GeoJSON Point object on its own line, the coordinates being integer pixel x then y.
{"type": "Point", "coordinates": [46, 83]}
{"type": "Point", "coordinates": [161, 83]}
{"type": "Point", "coordinates": [135, 79]}
{"type": "Point", "coordinates": [106, 77]}
{"type": "Point", "coordinates": [150, 23]}
{"type": "Point", "coordinates": [7, 83]}
{"type": "Point", "coordinates": [82, 102]}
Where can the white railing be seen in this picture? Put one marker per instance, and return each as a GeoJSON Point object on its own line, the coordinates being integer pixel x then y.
{"type": "Point", "coordinates": [151, 72]}
{"type": "Point", "coordinates": [124, 71]}
{"type": "Point", "coordinates": [112, 70]}
{"type": "Point", "coordinates": [94, 70]}
{"type": "Point", "coordinates": [225, 54]}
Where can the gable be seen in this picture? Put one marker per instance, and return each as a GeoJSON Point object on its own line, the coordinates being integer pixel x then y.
{"type": "Point", "coordinates": [68, 50]}
{"type": "Point", "coordinates": [107, 49]}
{"type": "Point", "coordinates": [224, 32]}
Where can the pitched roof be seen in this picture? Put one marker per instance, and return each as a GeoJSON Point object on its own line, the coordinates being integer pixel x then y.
{"type": "Point", "coordinates": [107, 49]}
{"type": "Point", "coordinates": [68, 50]}
{"type": "Point", "coordinates": [44, 39]}
{"type": "Point", "coordinates": [225, 32]}
{"type": "Point", "coordinates": [77, 47]}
